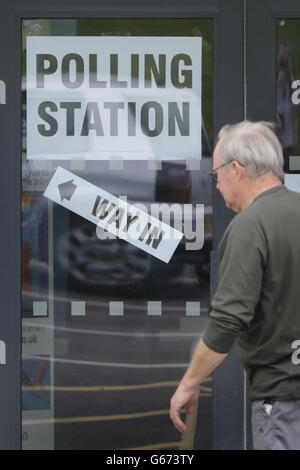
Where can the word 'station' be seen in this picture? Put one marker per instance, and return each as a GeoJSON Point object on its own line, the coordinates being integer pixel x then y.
{"type": "Point", "coordinates": [114, 97]}
{"type": "Point", "coordinates": [113, 214]}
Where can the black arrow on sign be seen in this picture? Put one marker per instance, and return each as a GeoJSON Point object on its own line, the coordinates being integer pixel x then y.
{"type": "Point", "coordinates": [66, 190]}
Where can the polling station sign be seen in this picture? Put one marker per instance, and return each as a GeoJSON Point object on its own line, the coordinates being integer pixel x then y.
{"type": "Point", "coordinates": [113, 98]}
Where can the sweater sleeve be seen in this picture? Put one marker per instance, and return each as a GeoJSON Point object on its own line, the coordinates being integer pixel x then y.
{"type": "Point", "coordinates": [243, 255]}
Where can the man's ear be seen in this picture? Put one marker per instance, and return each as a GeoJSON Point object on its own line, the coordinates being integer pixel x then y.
{"type": "Point", "coordinates": [239, 169]}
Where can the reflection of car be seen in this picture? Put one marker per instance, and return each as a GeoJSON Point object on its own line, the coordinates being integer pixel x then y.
{"type": "Point", "coordinates": [92, 263]}
{"type": "Point", "coordinates": [112, 265]}
{"type": "Point", "coordinates": [117, 267]}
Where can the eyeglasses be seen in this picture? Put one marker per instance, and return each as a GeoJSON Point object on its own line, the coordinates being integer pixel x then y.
{"type": "Point", "coordinates": [214, 172]}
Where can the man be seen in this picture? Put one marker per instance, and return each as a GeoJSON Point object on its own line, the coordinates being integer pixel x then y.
{"type": "Point", "coordinates": [257, 303]}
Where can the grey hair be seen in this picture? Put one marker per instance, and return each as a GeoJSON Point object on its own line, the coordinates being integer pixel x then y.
{"type": "Point", "coordinates": [254, 145]}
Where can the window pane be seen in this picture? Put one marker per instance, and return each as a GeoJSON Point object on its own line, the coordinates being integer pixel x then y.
{"type": "Point", "coordinates": [108, 329]}
{"type": "Point", "coordinates": [287, 76]}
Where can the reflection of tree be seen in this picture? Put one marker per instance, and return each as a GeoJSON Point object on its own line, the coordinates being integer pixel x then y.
{"type": "Point", "coordinates": [285, 112]}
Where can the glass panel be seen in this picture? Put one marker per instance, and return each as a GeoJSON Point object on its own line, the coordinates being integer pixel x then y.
{"type": "Point", "coordinates": [109, 327]}
{"type": "Point", "coordinates": [288, 86]}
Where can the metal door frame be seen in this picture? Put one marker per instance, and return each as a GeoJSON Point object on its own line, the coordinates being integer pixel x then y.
{"type": "Point", "coordinates": [228, 15]}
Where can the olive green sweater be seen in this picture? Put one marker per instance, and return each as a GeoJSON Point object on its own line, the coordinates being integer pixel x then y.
{"type": "Point", "coordinates": [257, 303]}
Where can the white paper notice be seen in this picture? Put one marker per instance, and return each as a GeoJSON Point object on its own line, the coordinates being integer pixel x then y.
{"type": "Point", "coordinates": [113, 98]}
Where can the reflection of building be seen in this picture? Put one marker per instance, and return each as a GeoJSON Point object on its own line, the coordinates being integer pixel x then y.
{"type": "Point", "coordinates": [286, 115]}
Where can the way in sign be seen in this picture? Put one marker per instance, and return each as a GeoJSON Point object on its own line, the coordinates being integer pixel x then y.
{"type": "Point", "coordinates": [119, 217]}
{"type": "Point", "coordinates": [113, 214]}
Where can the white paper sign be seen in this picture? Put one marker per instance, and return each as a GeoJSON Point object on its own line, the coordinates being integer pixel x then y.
{"type": "Point", "coordinates": [113, 97]}
{"type": "Point", "coordinates": [113, 214]}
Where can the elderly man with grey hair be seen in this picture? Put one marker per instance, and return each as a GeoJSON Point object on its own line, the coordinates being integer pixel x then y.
{"type": "Point", "coordinates": [257, 303]}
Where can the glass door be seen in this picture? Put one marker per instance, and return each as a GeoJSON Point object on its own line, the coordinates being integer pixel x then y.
{"type": "Point", "coordinates": [116, 150]}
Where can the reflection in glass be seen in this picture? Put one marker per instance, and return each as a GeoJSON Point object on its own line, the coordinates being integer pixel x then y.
{"type": "Point", "coordinates": [288, 50]}
{"type": "Point", "coordinates": [108, 329]}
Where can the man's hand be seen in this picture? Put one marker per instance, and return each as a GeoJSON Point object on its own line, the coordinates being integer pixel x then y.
{"type": "Point", "coordinates": [182, 397]}
{"type": "Point", "coordinates": [203, 362]}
